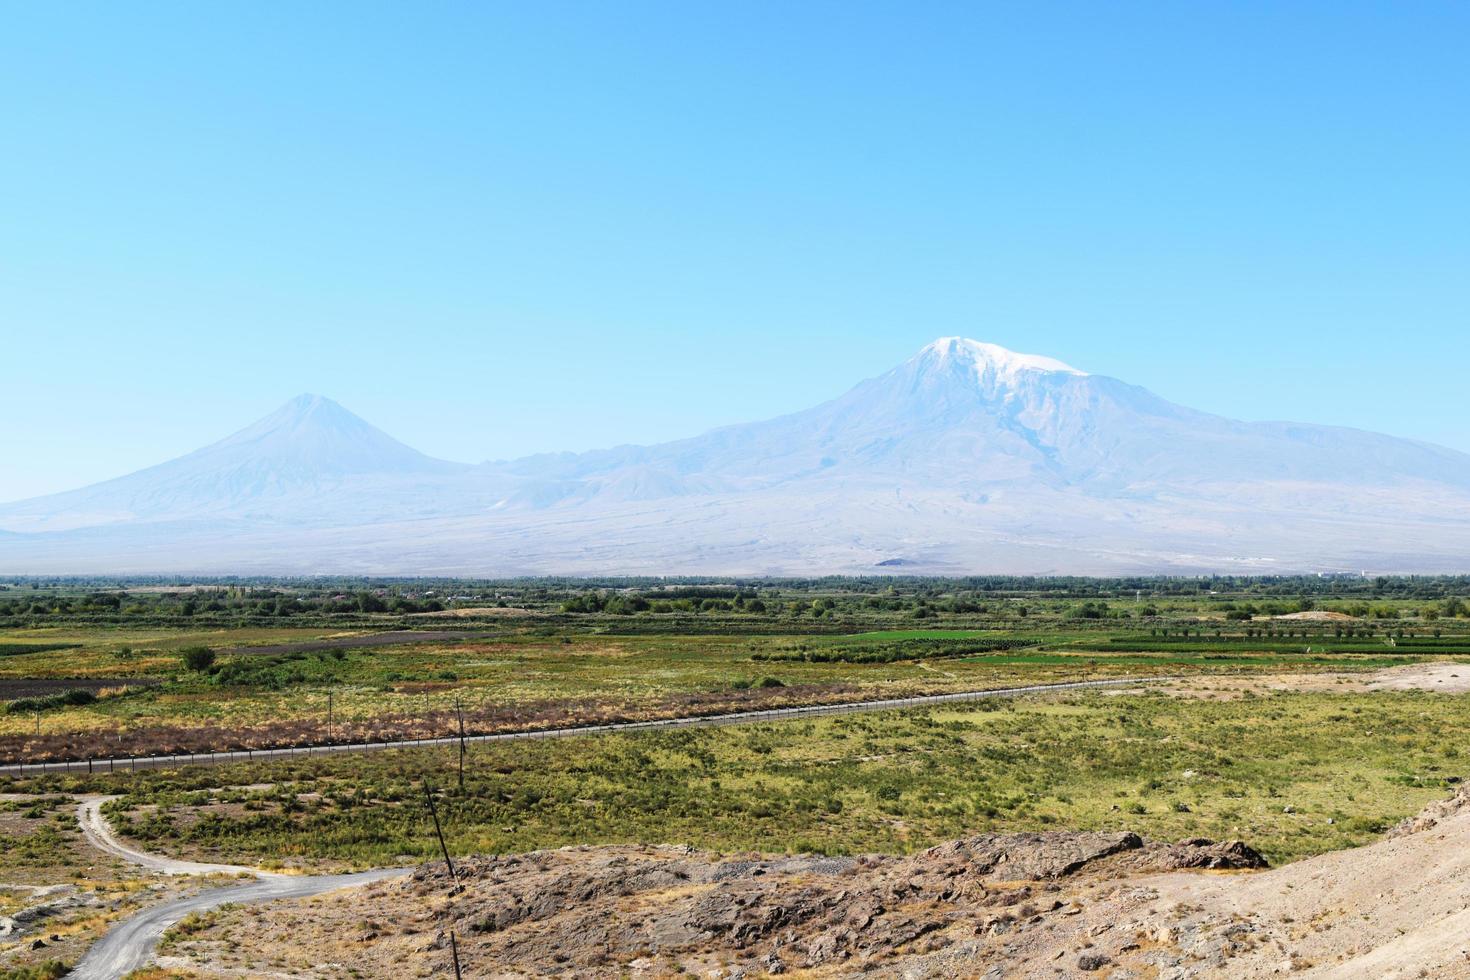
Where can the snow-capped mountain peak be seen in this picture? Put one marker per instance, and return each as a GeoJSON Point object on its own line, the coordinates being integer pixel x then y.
{"type": "Point", "coordinates": [992, 359]}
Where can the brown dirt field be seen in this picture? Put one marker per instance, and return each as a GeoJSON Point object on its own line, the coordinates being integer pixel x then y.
{"type": "Point", "coordinates": [12, 688]}
{"type": "Point", "coordinates": [1318, 616]}
{"type": "Point", "coordinates": [474, 611]}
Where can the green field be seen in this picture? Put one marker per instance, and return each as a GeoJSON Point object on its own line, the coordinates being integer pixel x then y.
{"type": "Point", "coordinates": [551, 652]}
{"type": "Point", "coordinates": [1292, 773]}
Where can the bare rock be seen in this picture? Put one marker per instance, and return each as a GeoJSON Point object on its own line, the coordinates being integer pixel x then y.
{"type": "Point", "coordinates": [1431, 815]}
{"type": "Point", "coordinates": [1034, 857]}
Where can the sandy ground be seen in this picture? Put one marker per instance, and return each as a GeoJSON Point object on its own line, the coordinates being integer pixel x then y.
{"type": "Point", "coordinates": [1397, 908]}
{"type": "Point", "coordinates": [1445, 678]}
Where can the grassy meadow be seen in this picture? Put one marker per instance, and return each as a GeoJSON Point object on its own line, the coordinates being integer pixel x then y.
{"type": "Point", "coordinates": [1291, 773]}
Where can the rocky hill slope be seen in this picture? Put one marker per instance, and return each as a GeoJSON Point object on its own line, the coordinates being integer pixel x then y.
{"type": "Point", "coordinates": [1027, 905]}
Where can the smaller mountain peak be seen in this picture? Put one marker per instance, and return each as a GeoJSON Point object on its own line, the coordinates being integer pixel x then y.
{"type": "Point", "coordinates": [306, 412]}
{"type": "Point", "coordinates": [993, 357]}
{"type": "Point", "coordinates": [308, 407]}
{"type": "Point", "coordinates": [306, 402]}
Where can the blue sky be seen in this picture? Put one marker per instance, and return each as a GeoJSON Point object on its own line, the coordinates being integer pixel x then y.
{"type": "Point", "coordinates": [494, 229]}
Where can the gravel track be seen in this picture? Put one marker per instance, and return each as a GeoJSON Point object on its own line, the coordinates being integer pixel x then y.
{"type": "Point", "coordinates": [129, 945]}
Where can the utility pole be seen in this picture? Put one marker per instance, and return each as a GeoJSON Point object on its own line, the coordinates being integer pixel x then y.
{"type": "Point", "coordinates": [460, 712]}
{"type": "Point", "coordinates": [329, 716]}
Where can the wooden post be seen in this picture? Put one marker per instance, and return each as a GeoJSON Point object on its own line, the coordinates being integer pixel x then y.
{"type": "Point", "coordinates": [454, 951]}
{"type": "Point", "coordinates": [454, 889]}
{"type": "Point", "coordinates": [439, 831]}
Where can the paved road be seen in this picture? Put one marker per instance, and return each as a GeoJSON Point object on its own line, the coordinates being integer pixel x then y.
{"type": "Point", "coordinates": [130, 944]}
{"type": "Point", "coordinates": [734, 718]}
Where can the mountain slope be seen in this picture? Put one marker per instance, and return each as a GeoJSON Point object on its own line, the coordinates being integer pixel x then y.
{"type": "Point", "coordinates": [967, 457]}
{"type": "Point", "coordinates": [967, 415]}
{"type": "Point", "coordinates": [310, 456]}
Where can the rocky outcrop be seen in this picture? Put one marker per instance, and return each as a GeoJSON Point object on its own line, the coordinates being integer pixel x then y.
{"type": "Point", "coordinates": [593, 908]}
{"type": "Point", "coordinates": [1431, 815]}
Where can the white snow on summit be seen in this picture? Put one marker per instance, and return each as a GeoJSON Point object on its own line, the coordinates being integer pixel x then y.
{"type": "Point", "coordinates": [1006, 364]}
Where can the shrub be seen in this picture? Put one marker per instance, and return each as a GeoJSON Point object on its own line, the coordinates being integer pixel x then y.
{"type": "Point", "coordinates": [49, 970]}
{"type": "Point", "coordinates": [197, 658]}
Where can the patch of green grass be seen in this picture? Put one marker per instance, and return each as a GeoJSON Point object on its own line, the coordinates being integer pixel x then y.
{"type": "Point", "coordinates": [918, 635]}
{"type": "Point", "coordinates": [50, 970]}
{"type": "Point", "coordinates": [19, 649]}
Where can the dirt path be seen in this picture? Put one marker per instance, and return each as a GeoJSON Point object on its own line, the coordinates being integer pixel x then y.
{"type": "Point", "coordinates": [129, 945]}
{"type": "Point", "coordinates": [100, 835]}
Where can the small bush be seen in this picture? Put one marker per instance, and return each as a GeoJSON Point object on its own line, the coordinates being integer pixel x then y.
{"type": "Point", "coordinates": [49, 970]}
{"type": "Point", "coordinates": [197, 658]}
